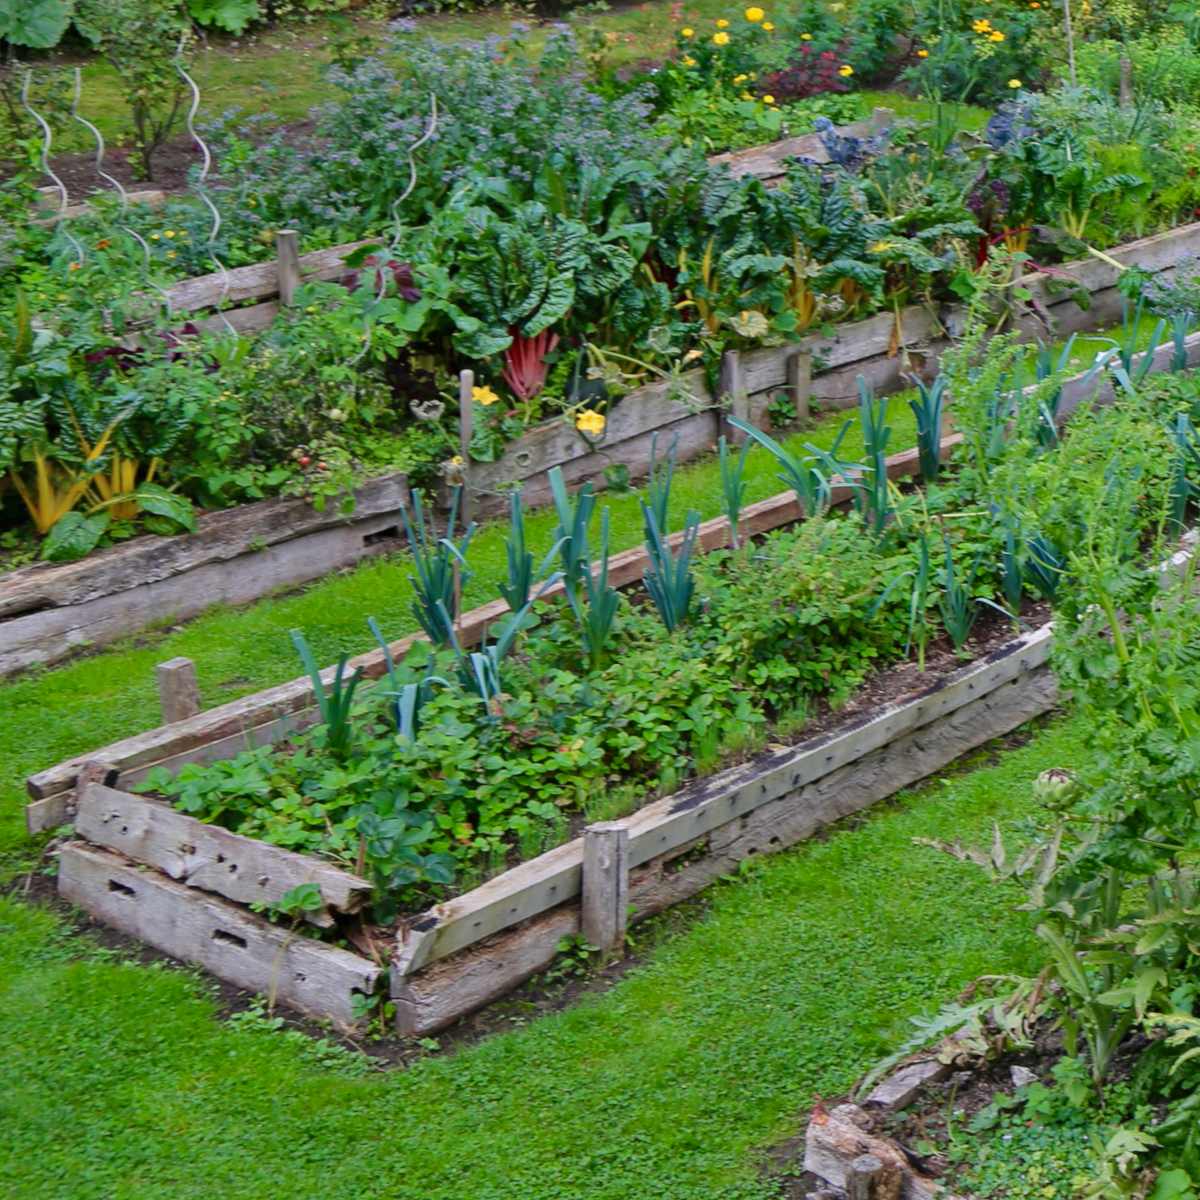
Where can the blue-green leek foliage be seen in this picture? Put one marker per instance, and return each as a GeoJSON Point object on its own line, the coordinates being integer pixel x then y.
{"type": "Point", "coordinates": [927, 406]}
{"type": "Point", "coordinates": [334, 705]}
{"type": "Point", "coordinates": [441, 568]}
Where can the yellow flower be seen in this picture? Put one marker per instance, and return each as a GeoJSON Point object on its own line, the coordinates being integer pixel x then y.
{"type": "Point", "coordinates": [722, 24]}
{"type": "Point", "coordinates": [1014, 84]}
{"type": "Point", "coordinates": [687, 32]}
{"type": "Point", "coordinates": [747, 96]}
{"type": "Point", "coordinates": [768, 27]}
{"type": "Point", "coordinates": [806, 37]}
{"type": "Point", "coordinates": [922, 53]}
{"type": "Point", "coordinates": [768, 99]}
{"type": "Point", "coordinates": [457, 461]}
{"type": "Point", "coordinates": [688, 61]}
{"type": "Point", "coordinates": [590, 422]}
{"type": "Point", "coordinates": [982, 25]}
{"type": "Point", "coordinates": [720, 39]}
{"type": "Point", "coordinates": [170, 253]}
{"type": "Point", "coordinates": [845, 70]}
{"type": "Point", "coordinates": [879, 247]}
{"type": "Point", "coordinates": [739, 79]}
{"type": "Point", "coordinates": [484, 395]}
{"type": "Point", "coordinates": [1035, 4]}
{"type": "Point", "coordinates": [754, 15]}
{"type": "Point", "coordinates": [995, 36]}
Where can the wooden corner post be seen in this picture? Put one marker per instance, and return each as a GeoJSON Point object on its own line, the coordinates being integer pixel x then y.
{"type": "Point", "coordinates": [178, 690]}
{"type": "Point", "coordinates": [734, 400]}
{"type": "Point", "coordinates": [466, 430]}
{"type": "Point", "coordinates": [799, 382]}
{"type": "Point", "coordinates": [605, 906]}
{"type": "Point", "coordinates": [287, 255]}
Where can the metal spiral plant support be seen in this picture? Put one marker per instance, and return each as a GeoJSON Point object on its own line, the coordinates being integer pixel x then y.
{"type": "Point", "coordinates": [430, 130]}
{"type": "Point", "coordinates": [205, 167]}
{"type": "Point", "coordinates": [47, 142]}
{"type": "Point", "coordinates": [116, 185]}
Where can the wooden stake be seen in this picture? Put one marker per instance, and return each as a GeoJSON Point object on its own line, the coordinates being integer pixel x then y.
{"type": "Point", "coordinates": [1126, 93]}
{"type": "Point", "coordinates": [732, 392]}
{"type": "Point", "coordinates": [466, 416]}
{"type": "Point", "coordinates": [605, 911]}
{"type": "Point", "coordinates": [799, 382]}
{"type": "Point", "coordinates": [178, 691]}
{"type": "Point", "coordinates": [287, 255]}
{"type": "Point", "coordinates": [861, 1177]}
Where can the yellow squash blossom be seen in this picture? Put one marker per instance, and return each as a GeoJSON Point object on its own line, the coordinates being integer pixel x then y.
{"type": "Point", "coordinates": [590, 422]}
{"type": "Point", "coordinates": [721, 39]}
{"type": "Point", "coordinates": [484, 395]}
{"type": "Point", "coordinates": [754, 15]}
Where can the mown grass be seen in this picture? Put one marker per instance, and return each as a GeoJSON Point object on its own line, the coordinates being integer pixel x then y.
{"type": "Point", "coordinates": [118, 1082]}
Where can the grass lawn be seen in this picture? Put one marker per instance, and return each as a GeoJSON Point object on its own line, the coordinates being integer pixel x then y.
{"type": "Point", "coordinates": [118, 1082]}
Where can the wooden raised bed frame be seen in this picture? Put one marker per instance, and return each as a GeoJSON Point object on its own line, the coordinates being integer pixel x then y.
{"type": "Point", "coordinates": [147, 861]}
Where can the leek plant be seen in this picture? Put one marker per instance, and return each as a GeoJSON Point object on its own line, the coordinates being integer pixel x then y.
{"type": "Point", "coordinates": [669, 577]}
{"type": "Point", "coordinates": [441, 569]}
{"type": "Point", "coordinates": [571, 536]}
{"type": "Point", "coordinates": [918, 599]}
{"type": "Point", "coordinates": [957, 602]}
{"type": "Point", "coordinates": [597, 620]}
{"type": "Point", "coordinates": [407, 698]}
{"type": "Point", "coordinates": [733, 485]}
{"type": "Point", "coordinates": [812, 485]}
{"type": "Point", "coordinates": [1044, 567]}
{"type": "Point", "coordinates": [927, 407]}
{"type": "Point", "coordinates": [521, 576]}
{"type": "Point", "coordinates": [334, 705]}
{"type": "Point", "coordinates": [876, 490]}
{"type": "Point", "coordinates": [1184, 466]}
{"type": "Point", "coordinates": [658, 485]}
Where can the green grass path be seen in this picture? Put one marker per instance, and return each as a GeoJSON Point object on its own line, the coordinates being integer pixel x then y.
{"type": "Point", "coordinates": [117, 1082]}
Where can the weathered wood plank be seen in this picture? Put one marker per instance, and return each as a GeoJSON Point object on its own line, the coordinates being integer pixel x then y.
{"type": "Point", "coordinates": [233, 944]}
{"type": "Point", "coordinates": [178, 689]}
{"type": "Point", "coordinates": [448, 990]}
{"type": "Point", "coordinates": [604, 902]}
{"type": "Point", "coordinates": [770, 161]}
{"type": "Point", "coordinates": [219, 537]}
{"type": "Point", "coordinates": [259, 279]}
{"type": "Point", "coordinates": [208, 857]}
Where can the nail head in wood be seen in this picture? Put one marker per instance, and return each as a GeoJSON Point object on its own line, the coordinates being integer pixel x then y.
{"type": "Point", "coordinates": [287, 256]}
{"type": "Point", "coordinates": [605, 904]}
{"type": "Point", "coordinates": [178, 689]}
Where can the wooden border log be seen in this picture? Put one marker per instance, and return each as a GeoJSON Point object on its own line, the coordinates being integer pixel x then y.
{"type": "Point", "coordinates": [208, 857]}
{"type": "Point", "coordinates": [287, 265]}
{"type": "Point", "coordinates": [604, 886]}
{"type": "Point", "coordinates": [233, 944]}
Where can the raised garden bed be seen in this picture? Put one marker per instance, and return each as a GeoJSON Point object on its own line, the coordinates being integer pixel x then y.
{"type": "Point", "coordinates": [144, 865]}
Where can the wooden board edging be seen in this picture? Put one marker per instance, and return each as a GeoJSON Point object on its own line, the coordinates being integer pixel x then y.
{"type": "Point", "coordinates": [245, 870]}
{"type": "Point", "coordinates": [232, 943]}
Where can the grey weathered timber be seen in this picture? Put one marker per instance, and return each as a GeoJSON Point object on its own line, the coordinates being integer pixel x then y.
{"type": "Point", "coordinates": [868, 1179]}
{"type": "Point", "coordinates": [235, 945]}
{"type": "Point", "coordinates": [259, 280]}
{"type": "Point", "coordinates": [901, 1087]}
{"type": "Point", "coordinates": [287, 265]}
{"type": "Point", "coordinates": [178, 689]}
{"type": "Point", "coordinates": [734, 397]}
{"type": "Point", "coordinates": [835, 1141]}
{"type": "Point", "coordinates": [604, 903]}
{"type": "Point", "coordinates": [208, 857]}
{"type": "Point", "coordinates": [799, 384]}
{"type": "Point", "coordinates": [49, 610]}
{"type": "Point", "coordinates": [770, 161]}
{"type": "Point", "coordinates": [466, 431]}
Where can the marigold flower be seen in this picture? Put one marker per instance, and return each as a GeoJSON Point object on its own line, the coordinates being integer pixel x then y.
{"type": "Point", "coordinates": [739, 79]}
{"type": "Point", "coordinates": [590, 422]}
{"type": "Point", "coordinates": [75, 266]}
{"type": "Point", "coordinates": [103, 244]}
{"type": "Point", "coordinates": [168, 233]}
{"type": "Point", "coordinates": [721, 39]}
{"type": "Point", "coordinates": [768, 27]}
{"type": "Point", "coordinates": [806, 37]}
{"type": "Point", "coordinates": [995, 36]}
{"type": "Point", "coordinates": [484, 395]}
{"type": "Point", "coordinates": [1014, 84]}
{"type": "Point", "coordinates": [687, 32]}
{"type": "Point", "coordinates": [845, 70]}
{"type": "Point", "coordinates": [982, 25]}
{"type": "Point", "coordinates": [922, 53]}
{"type": "Point", "coordinates": [722, 24]}
{"type": "Point", "coordinates": [754, 14]}
{"type": "Point", "coordinates": [688, 60]}
{"type": "Point", "coordinates": [768, 99]}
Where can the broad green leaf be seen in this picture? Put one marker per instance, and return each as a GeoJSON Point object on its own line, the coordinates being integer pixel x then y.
{"type": "Point", "coordinates": [37, 24]}
{"type": "Point", "coordinates": [152, 498]}
{"type": "Point", "coordinates": [74, 536]}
